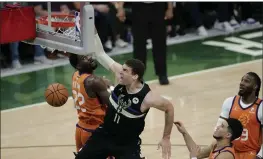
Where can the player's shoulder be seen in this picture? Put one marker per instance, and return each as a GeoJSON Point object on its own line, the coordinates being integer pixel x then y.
{"type": "Point", "coordinates": [226, 154]}
{"type": "Point", "coordinates": [228, 103]}
{"type": "Point", "coordinates": [152, 97]}
{"type": "Point", "coordinates": [229, 100]}
{"type": "Point", "coordinates": [93, 80]}
{"type": "Point", "coordinates": [76, 73]}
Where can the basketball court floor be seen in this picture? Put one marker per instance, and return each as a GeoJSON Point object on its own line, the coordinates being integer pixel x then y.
{"type": "Point", "coordinates": [44, 132]}
{"type": "Point", "coordinates": [202, 74]}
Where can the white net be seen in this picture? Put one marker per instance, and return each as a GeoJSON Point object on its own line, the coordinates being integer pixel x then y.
{"type": "Point", "coordinates": [67, 26]}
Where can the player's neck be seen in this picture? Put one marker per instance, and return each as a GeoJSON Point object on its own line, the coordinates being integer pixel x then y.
{"type": "Point", "coordinates": [134, 87]}
{"type": "Point", "coordinates": [83, 72]}
{"type": "Point", "coordinates": [221, 144]}
{"type": "Point", "coordinates": [247, 99]}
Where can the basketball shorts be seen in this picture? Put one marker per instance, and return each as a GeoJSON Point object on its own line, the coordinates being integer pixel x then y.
{"type": "Point", "coordinates": [246, 155]}
{"type": "Point", "coordinates": [81, 136]}
{"type": "Point", "coordinates": [101, 145]}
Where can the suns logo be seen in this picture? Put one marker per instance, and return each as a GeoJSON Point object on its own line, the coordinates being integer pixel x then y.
{"type": "Point", "coordinates": [244, 119]}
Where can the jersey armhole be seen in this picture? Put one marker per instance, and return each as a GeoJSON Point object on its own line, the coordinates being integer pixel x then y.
{"type": "Point", "coordinates": [232, 106]}
{"type": "Point", "coordinates": [261, 114]}
{"type": "Point", "coordinates": [144, 96]}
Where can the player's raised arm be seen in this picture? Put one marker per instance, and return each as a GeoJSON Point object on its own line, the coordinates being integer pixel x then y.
{"type": "Point", "coordinates": [191, 145]}
{"type": "Point", "coordinates": [158, 102]}
{"type": "Point", "coordinates": [105, 60]}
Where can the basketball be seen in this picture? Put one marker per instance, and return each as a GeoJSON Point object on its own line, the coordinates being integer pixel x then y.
{"type": "Point", "coordinates": [56, 94]}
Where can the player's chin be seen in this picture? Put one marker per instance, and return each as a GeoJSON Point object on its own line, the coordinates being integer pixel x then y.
{"type": "Point", "coordinates": [241, 92]}
{"type": "Point", "coordinates": [121, 81]}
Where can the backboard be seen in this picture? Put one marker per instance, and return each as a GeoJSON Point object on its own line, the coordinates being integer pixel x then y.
{"type": "Point", "coordinates": [65, 26]}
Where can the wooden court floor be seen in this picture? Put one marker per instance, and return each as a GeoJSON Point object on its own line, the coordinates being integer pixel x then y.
{"type": "Point", "coordinates": [44, 132]}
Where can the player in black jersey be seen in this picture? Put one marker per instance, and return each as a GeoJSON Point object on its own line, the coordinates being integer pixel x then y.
{"type": "Point", "coordinates": [128, 106]}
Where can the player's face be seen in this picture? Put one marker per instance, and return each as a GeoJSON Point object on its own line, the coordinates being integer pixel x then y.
{"type": "Point", "coordinates": [126, 75]}
{"type": "Point", "coordinates": [222, 131]}
{"type": "Point", "coordinates": [247, 85]}
{"type": "Point", "coordinates": [87, 63]}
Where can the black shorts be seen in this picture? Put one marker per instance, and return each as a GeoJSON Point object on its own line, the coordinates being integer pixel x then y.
{"type": "Point", "coordinates": [102, 145]}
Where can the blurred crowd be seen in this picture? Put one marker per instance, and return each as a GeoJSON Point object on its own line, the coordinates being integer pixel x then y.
{"type": "Point", "coordinates": [120, 24]}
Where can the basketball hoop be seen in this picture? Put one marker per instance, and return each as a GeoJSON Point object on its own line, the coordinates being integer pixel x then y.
{"type": "Point", "coordinates": [61, 25]}
{"type": "Point", "coordinates": [64, 32]}
{"type": "Point", "coordinates": [58, 20]}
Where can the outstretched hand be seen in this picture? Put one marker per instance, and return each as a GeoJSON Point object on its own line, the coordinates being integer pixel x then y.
{"type": "Point", "coordinates": [180, 127]}
{"type": "Point", "coordinates": [166, 148]}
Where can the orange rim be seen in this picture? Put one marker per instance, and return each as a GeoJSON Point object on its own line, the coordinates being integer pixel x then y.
{"type": "Point", "coordinates": [44, 21]}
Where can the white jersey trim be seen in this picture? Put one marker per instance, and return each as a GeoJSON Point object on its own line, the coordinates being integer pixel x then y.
{"type": "Point", "coordinates": [124, 112]}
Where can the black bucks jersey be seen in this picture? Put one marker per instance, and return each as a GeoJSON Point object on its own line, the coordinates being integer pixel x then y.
{"type": "Point", "coordinates": [124, 118]}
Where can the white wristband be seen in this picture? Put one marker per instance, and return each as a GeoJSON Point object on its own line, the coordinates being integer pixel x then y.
{"type": "Point", "coordinates": [194, 158]}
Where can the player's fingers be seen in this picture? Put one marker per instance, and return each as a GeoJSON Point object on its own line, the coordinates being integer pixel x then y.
{"type": "Point", "coordinates": [164, 152]}
{"type": "Point", "coordinates": [178, 122]}
{"type": "Point", "coordinates": [169, 153]}
{"type": "Point", "coordinates": [178, 126]}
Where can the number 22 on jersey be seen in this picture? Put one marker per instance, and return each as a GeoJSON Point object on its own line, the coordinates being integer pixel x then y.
{"type": "Point", "coordinates": [79, 100]}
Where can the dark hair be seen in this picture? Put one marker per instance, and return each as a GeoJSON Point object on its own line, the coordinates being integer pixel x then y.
{"type": "Point", "coordinates": [257, 80]}
{"type": "Point", "coordinates": [235, 128]}
{"type": "Point", "coordinates": [73, 60]}
{"type": "Point", "coordinates": [137, 67]}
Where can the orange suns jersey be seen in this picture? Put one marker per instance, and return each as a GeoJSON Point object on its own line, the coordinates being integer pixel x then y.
{"type": "Point", "coordinates": [251, 138]}
{"type": "Point", "coordinates": [90, 111]}
{"type": "Point", "coordinates": [214, 154]}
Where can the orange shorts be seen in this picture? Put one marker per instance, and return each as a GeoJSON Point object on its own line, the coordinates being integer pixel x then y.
{"type": "Point", "coordinates": [246, 155]}
{"type": "Point", "coordinates": [81, 136]}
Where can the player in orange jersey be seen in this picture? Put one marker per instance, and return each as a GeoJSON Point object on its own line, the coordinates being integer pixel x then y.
{"type": "Point", "coordinates": [90, 94]}
{"type": "Point", "coordinates": [246, 107]}
{"type": "Point", "coordinates": [229, 130]}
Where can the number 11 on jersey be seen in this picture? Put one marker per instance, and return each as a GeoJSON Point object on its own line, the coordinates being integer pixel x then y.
{"type": "Point", "coordinates": [117, 118]}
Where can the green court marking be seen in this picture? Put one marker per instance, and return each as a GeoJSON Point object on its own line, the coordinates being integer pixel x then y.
{"type": "Point", "coordinates": [28, 88]}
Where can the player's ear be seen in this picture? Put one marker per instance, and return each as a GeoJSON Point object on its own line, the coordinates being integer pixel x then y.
{"type": "Point", "coordinates": [229, 135]}
{"type": "Point", "coordinates": [135, 77]}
